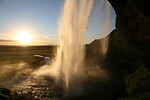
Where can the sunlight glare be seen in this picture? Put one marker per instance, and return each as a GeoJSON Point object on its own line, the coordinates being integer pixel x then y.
{"type": "Point", "coordinates": [24, 37]}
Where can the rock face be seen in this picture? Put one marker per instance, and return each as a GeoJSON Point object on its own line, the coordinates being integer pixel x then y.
{"type": "Point", "coordinates": [93, 51]}
{"type": "Point", "coordinates": [128, 56]}
{"type": "Point", "coordinates": [133, 26]}
{"type": "Point", "coordinates": [129, 45]}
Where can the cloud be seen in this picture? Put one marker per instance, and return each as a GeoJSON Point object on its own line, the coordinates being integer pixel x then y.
{"type": "Point", "coordinates": [6, 39]}
{"type": "Point", "coordinates": [53, 37]}
{"type": "Point", "coordinates": [8, 42]}
{"type": "Point", "coordinates": [1, 34]}
{"type": "Point", "coordinates": [5, 36]}
{"type": "Point", "coordinates": [49, 37]}
{"type": "Point", "coordinates": [3, 40]}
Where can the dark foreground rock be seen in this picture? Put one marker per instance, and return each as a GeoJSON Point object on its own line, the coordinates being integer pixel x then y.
{"type": "Point", "coordinates": [6, 94]}
{"type": "Point", "coordinates": [41, 88]}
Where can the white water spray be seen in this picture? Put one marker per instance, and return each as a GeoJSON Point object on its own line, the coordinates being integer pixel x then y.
{"type": "Point", "coordinates": [69, 60]}
{"type": "Point", "coordinates": [104, 43]}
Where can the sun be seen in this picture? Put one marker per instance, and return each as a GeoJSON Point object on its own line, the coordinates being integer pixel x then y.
{"type": "Point", "coordinates": [24, 37]}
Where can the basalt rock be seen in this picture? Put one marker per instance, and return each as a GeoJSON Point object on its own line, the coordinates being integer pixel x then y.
{"type": "Point", "coordinates": [133, 26]}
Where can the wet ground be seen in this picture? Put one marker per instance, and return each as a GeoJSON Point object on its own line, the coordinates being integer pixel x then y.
{"type": "Point", "coordinates": [43, 88]}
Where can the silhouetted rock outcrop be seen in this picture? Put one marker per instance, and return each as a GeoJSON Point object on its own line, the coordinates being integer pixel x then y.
{"type": "Point", "coordinates": [128, 56]}
{"type": "Point", "coordinates": [133, 26]}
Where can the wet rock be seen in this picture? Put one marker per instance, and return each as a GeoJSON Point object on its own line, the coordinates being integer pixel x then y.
{"type": "Point", "coordinates": [35, 97]}
{"type": "Point", "coordinates": [5, 91]}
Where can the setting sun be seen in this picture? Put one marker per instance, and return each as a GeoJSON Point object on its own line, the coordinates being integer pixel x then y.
{"type": "Point", "coordinates": [24, 37]}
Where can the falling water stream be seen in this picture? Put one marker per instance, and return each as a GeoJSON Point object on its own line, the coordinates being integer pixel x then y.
{"type": "Point", "coordinates": [68, 65]}
{"type": "Point", "coordinates": [70, 55]}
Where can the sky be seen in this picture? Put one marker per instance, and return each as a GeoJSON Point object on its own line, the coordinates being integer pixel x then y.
{"type": "Point", "coordinates": [41, 18]}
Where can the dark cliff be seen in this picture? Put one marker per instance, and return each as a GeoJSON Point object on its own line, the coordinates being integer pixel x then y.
{"type": "Point", "coordinates": [128, 55]}
{"type": "Point", "coordinates": [133, 26]}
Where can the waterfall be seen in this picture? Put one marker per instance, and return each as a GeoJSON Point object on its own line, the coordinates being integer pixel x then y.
{"type": "Point", "coordinates": [70, 54]}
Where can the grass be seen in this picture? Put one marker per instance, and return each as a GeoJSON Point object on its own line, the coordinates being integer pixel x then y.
{"type": "Point", "coordinates": [16, 54]}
